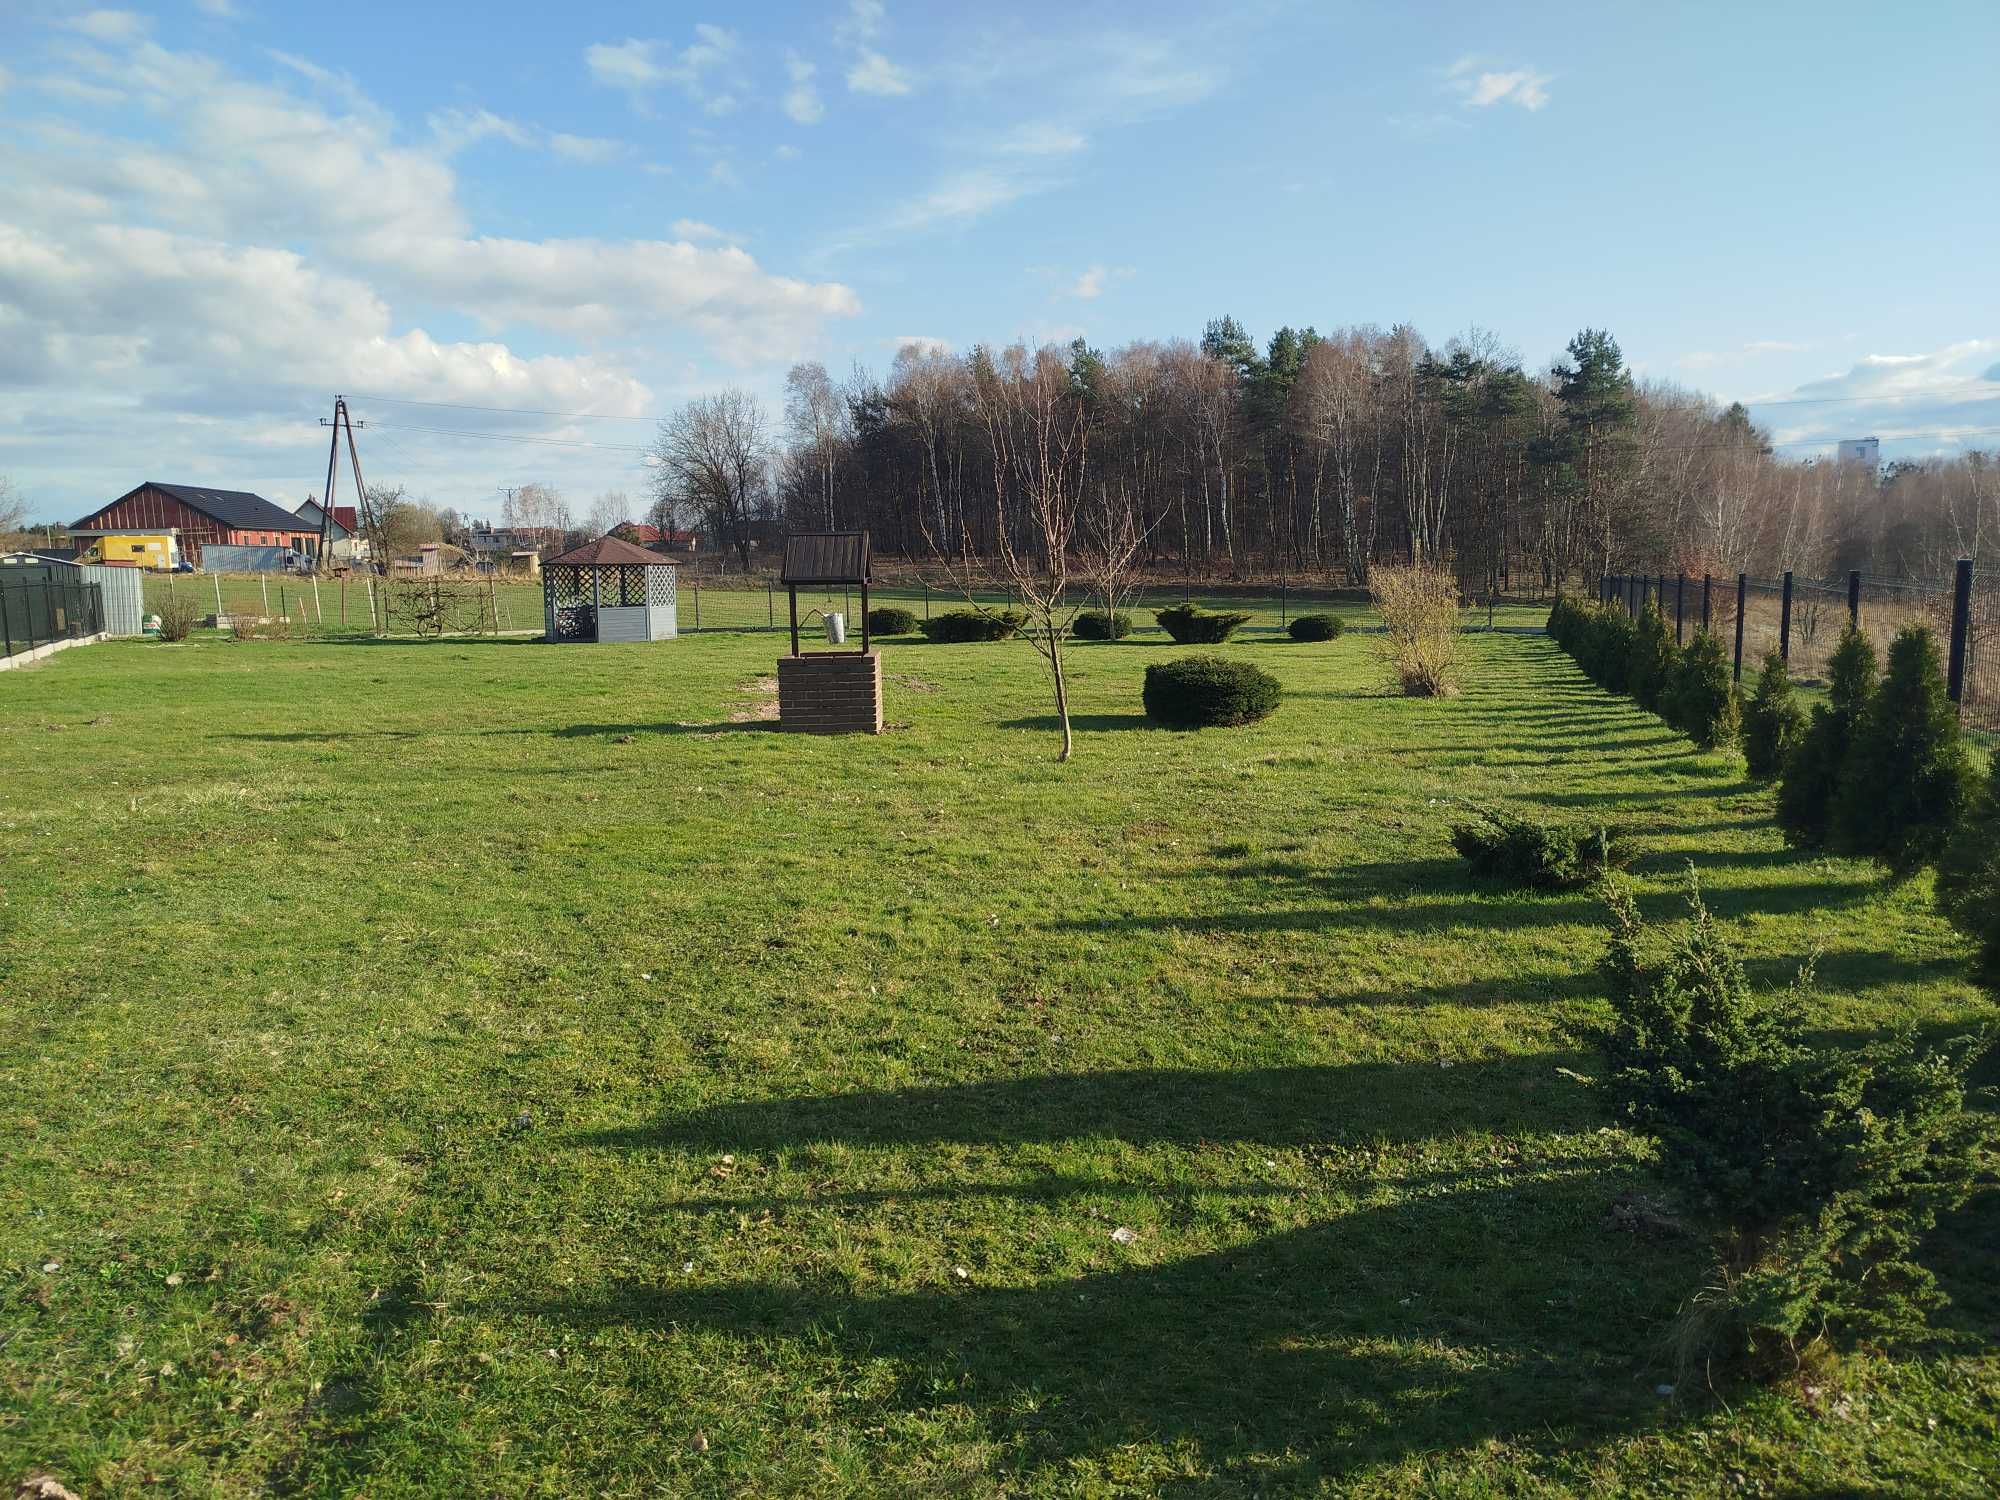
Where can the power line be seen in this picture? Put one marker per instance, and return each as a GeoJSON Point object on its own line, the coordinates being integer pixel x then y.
{"type": "Point", "coordinates": [1979, 389]}
{"type": "Point", "coordinates": [512, 411]}
{"type": "Point", "coordinates": [513, 437]}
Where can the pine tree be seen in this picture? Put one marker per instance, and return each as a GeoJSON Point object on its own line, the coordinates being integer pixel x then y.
{"type": "Point", "coordinates": [1773, 722]}
{"type": "Point", "coordinates": [1812, 772]}
{"type": "Point", "coordinates": [1701, 701]}
{"type": "Point", "coordinates": [1968, 881]}
{"type": "Point", "coordinates": [1651, 665]}
{"type": "Point", "coordinates": [1908, 777]}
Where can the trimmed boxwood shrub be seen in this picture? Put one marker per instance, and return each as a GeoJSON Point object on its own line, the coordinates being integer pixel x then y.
{"type": "Point", "coordinates": [1549, 855]}
{"type": "Point", "coordinates": [1192, 625]}
{"type": "Point", "coordinates": [1096, 625]}
{"type": "Point", "coordinates": [1701, 701]}
{"type": "Point", "coordinates": [1201, 692]}
{"type": "Point", "coordinates": [1316, 627]}
{"type": "Point", "coordinates": [1773, 722]}
{"type": "Point", "coordinates": [889, 620]}
{"type": "Point", "coordinates": [956, 625]}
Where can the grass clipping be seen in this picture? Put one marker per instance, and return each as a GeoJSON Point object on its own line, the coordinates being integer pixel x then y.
{"type": "Point", "coordinates": [1422, 647]}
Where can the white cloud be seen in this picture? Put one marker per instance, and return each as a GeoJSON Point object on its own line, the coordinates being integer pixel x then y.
{"type": "Point", "coordinates": [586, 149]}
{"type": "Point", "coordinates": [1092, 282]}
{"type": "Point", "coordinates": [638, 67]}
{"type": "Point", "coordinates": [111, 25]}
{"type": "Point", "coordinates": [456, 129]}
{"type": "Point", "coordinates": [959, 198]}
{"type": "Point", "coordinates": [699, 232]}
{"type": "Point", "coordinates": [863, 22]}
{"type": "Point", "coordinates": [802, 102]}
{"type": "Point", "coordinates": [221, 9]}
{"type": "Point", "coordinates": [787, 153]}
{"type": "Point", "coordinates": [1481, 87]}
{"type": "Point", "coordinates": [1938, 401]}
{"type": "Point", "coordinates": [1041, 138]}
{"type": "Point", "coordinates": [873, 73]}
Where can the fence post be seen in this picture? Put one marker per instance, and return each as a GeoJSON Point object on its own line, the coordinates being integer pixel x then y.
{"type": "Point", "coordinates": [697, 604]}
{"type": "Point", "coordinates": [1707, 602]}
{"type": "Point", "coordinates": [1660, 599]}
{"type": "Point", "coordinates": [1961, 629]}
{"type": "Point", "coordinates": [6, 630]}
{"type": "Point", "coordinates": [1742, 603]}
{"type": "Point", "coordinates": [1680, 607]}
{"type": "Point", "coordinates": [770, 607]}
{"type": "Point", "coordinates": [927, 601]}
{"type": "Point", "coordinates": [1854, 599]}
{"type": "Point", "coordinates": [1785, 623]}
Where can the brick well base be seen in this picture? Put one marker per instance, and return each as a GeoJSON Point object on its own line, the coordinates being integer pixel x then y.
{"type": "Point", "coordinates": [828, 692]}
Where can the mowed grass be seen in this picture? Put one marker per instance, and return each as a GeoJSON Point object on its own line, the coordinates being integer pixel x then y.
{"type": "Point", "coordinates": [486, 1067]}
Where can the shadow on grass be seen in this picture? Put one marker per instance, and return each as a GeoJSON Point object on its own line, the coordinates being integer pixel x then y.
{"type": "Point", "coordinates": [1357, 1104]}
{"type": "Point", "coordinates": [723, 726]}
{"type": "Point", "coordinates": [426, 642]}
{"type": "Point", "coordinates": [1082, 723]}
{"type": "Point", "coordinates": [1482, 1305]}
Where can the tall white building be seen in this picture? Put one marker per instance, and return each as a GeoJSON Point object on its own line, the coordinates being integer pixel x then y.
{"type": "Point", "coordinates": [1866, 450]}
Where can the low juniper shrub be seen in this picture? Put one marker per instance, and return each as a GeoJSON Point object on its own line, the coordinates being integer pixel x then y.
{"type": "Point", "coordinates": [1811, 777]}
{"type": "Point", "coordinates": [1700, 699]}
{"type": "Point", "coordinates": [1541, 854]}
{"type": "Point", "coordinates": [1773, 721]}
{"type": "Point", "coordinates": [1192, 625]}
{"type": "Point", "coordinates": [1968, 877]}
{"type": "Point", "coordinates": [1096, 625]}
{"type": "Point", "coordinates": [1908, 777]}
{"type": "Point", "coordinates": [1316, 627]}
{"type": "Point", "coordinates": [1816, 1169]}
{"type": "Point", "coordinates": [891, 620]}
{"type": "Point", "coordinates": [956, 625]}
{"type": "Point", "coordinates": [1201, 692]}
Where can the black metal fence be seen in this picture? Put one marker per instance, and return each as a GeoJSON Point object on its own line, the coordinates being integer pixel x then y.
{"type": "Point", "coordinates": [39, 605]}
{"type": "Point", "coordinates": [1802, 620]}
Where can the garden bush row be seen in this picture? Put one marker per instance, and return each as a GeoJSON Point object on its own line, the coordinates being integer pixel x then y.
{"type": "Point", "coordinates": [1687, 686]}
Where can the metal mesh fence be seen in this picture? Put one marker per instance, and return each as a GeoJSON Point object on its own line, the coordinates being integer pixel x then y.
{"type": "Point", "coordinates": [42, 605]}
{"type": "Point", "coordinates": [1802, 620]}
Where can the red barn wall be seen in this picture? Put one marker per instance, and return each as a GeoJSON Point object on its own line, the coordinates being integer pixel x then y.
{"type": "Point", "coordinates": [150, 509]}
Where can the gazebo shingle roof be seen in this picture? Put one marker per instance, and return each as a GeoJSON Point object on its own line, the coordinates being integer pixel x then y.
{"type": "Point", "coordinates": [606, 551]}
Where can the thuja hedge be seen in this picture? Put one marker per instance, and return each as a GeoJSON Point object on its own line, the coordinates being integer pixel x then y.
{"type": "Point", "coordinates": [1096, 625]}
{"type": "Point", "coordinates": [1192, 625]}
{"type": "Point", "coordinates": [1688, 687]}
{"type": "Point", "coordinates": [957, 625]}
{"type": "Point", "coordinates": [890, 620]}
{"type": "Point", "coordinates": [1203, 692]}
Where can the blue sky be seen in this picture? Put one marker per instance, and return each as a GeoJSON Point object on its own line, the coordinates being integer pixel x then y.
{"type": "Point", "coordinates": [214, 215]}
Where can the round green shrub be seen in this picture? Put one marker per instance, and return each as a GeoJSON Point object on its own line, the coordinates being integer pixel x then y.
{"type": "Point", "coordinates": [956, 625]}
{"type": "Point", "coordinates": [891, 620]}
{"type": "Point", "coordinates": [1201, 692]}
{"type": "Point", "coordinates": [1096, 625]}
{"type": "Point", "coordinates": [1316, 627]}
{"type": "Point", "coordinates": [1192, 625]}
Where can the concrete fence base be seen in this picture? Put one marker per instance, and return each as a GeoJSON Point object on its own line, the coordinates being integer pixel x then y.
{"type": "Point", "coordinates": [831, 693]}
{"type": "Point", "coordinates": [27, 658]}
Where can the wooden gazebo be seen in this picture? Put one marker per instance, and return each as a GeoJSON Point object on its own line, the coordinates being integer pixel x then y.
{"type": "Point", "coordinates": [609, 590]}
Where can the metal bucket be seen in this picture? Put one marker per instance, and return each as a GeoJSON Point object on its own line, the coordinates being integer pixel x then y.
{"type": "Point", "coordinates": [836, 628]}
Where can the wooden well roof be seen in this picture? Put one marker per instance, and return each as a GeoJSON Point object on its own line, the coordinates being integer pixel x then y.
{"type": "Point", "coordinates": [814, 557]}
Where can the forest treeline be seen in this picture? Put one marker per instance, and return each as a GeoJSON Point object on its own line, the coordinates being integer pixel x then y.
{"type": "Point", "coordinates": [1323, 454]}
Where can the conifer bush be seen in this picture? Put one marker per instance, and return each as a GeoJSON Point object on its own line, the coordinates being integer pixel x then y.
{"type": "Point", "coordinates": [1203, 692]}
{"type": "Point", "coordinates": [1700, 700]}
{"type": "Point", "coordinates": [1541, 854]}
{"type": "Point", "coordinates": [891, 620]}
{"type": "Point", "coordinates": [1650, 666]}
{"type": "Point", "coordinates": [958, 625]}
{"type": "Point", "coordinates": [1907, 778]}
{"type": "Point", "coordinates": [1773, 721]}
{"type": "Point", "coordinates": [1316, 627]}
{"type": "Point", "coordinates": [1818, 1170]}
{"type": "Point", "coordinates": [1096, 625]}
{"type": "Point", "coordinates": [1192, 625]}
{"type": "Point", "coordinates": [1968, 878]}
{"type": "Point", "coordinates": [1811, 778]}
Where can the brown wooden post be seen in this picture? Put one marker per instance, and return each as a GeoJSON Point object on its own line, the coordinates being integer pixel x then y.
{"type": "Point", "coordinates": [864, 617]}
{"type": "Point", "coordinates": [1854, 599]}
{"type": "Point", "coordinates": [793, 595]}
{"type": "Point", "coordinates": [1742, 600]}
{"type": "Point", "coordinates": [1785, 623]}
{"type": "Point", "coordinates": [1961, 629]}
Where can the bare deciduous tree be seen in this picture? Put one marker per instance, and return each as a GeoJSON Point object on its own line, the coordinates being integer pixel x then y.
{"type": "Point", "coordinates": [712, 456]}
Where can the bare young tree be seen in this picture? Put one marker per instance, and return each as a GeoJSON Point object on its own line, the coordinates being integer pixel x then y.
{"type": "Point", "coordinates": [608, 510]}
{"type": "Point", "coordinates": [814, 420]}
{"type": "Point", "coordinates": [13, 506]}
{"type": "Point", "coordinates": [712, 455]}
{"type": "Point", "coordinates": [1037, 427]}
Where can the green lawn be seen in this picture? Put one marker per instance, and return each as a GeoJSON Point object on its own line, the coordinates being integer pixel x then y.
{"type": "Point", "coordinates": [484, 1067]}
